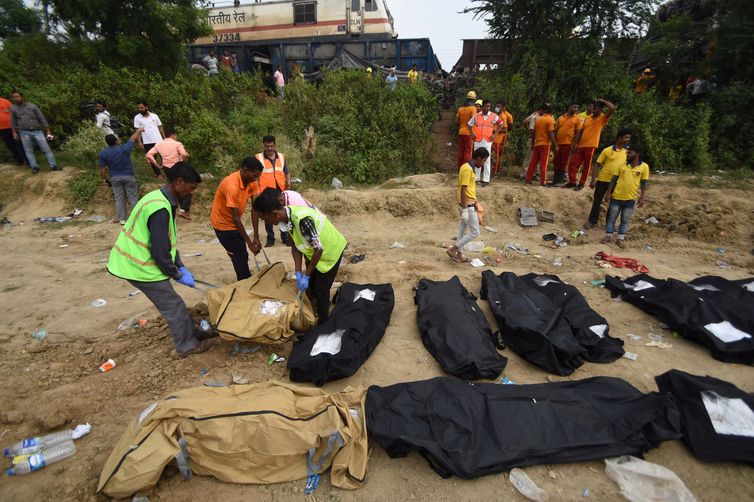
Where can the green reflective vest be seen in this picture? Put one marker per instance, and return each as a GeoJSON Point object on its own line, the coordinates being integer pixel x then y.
{"type": "Point", "coordinates": [333, 242]}
{"type": "Point", "coordinates": [131, 255]}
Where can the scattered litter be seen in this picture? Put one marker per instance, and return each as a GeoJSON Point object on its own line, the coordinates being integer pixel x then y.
{"type": "Point", "coordinates": [603, 264]}
{"type": "Point", "coordinates": [274, 358]}
{"type": "Point", "coordinates": [620, 262]}
{"type": "Point", "coordinates": [205, 326]}
{"type": "Point", "coordinates": [648, 247]}
{"type": "Point", "coordinates": [107, 366]}
{"type": "Point", "coordinates": [203, 371]}
{"type": "Point", "coordinates": [397, 245]}
{"type": "Point", "coordinates": [140, 498]}
{"type": "Point", "coordinates": [549, 237]}
{"type": "Point", "coordinates": [5, 222]}
{"type": "Point", "coordinates": [506, 381]}
{"type": "Point", "coordinates": [558, 262]}
{"type": "Point", "coordinates": [207, 176]}
{"type": "Point", "coordinates": [656, 338]}
{"type": "Point", "coordinates": [63, 246]}
{"type": "Point", "coordinates": [476, 263]}
{"type": "Point", "coordinates": [723, 265]}
{"type": "Point", "coordinates": [640, 480]}
{"type": "Point", "coordinates": [547, 216]}
{"type": "Point", "coordinates": [585, 493]}
{"type": "Point", "coordinates": [662, 325]}
{"type": "Point", "coordinates": [577, 233]}
{"type": "Point", "coordinates": [39, 334]}
{"type": "Point", "coordinates": [96, 218]}
{"type": "Point", "coordinates": [631, 355]}
{"type": "Point", "coordinates": [239, 379]}
{"type": "Point", "coordinates": [296, 180]}
{"type": "Point", "coordinates": [526, 486]}
{"type": "Point", "coordinates": [402, 262]}
{"type": "Point", "coordinates": [192, 254]}
{"type": "Point", "coordinates": [239, 348]}
{"type": "Point", "coordinates": [516, 247]}
{"type": "Point", "coordinates": [720, 250]}
{"type": "Point", "coordinates": [214, 384]}
{"type": "Point", "coordinates": [474, 246]}
{"type": "Point", "coordinates": [491, 229]}
{"type": "Point", "coordinates": [132, 322]}
{"type": "Point", "coordinates": [99, 302]}
{"type": "Point", "coordinates": [560, 242]}
{"type": "Point", "coordinates": [102, 260]}
{"type": "Point", "coordinates": [634, 337]}
{"type": "Point", "coordinates": [312, 482]}
{"type": "Point", "coordinates": [527, 217]}
{"type": "Point", "coordinates": [489, 250]}
{"type": "Point", "coordinates": [448, 144]}
{"type": "Point", "coordinates": [201, 241]}
{"type": "Point", "coordinates": [652, 221]}
{"type": "Point", "coordinates": [134, 293]}
{"type": "Point", "coordinates": [659, 345]}
{"type": "Point", "coordinates": [552, 475]}
{"type": "Point", "coordinates": [498, 260]}
{"type": "Point", "coordinates": [357, 258]}
{"type": "Point", "coordinates": [336, 183]}
{"type": "Point", "coordinates": [598, 282]}
{"type": "Point", "coordinates": [53, 219]}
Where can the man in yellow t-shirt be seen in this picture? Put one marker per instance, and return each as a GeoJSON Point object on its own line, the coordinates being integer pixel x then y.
{"type": "Point", "coordinates": [467, 204]}
{"type": "Point", "coordinates": [609, 162]}
{"type": "Point", "coordinates": [464, 114]}
{"type": "Point", "coordinates": [628, 188]}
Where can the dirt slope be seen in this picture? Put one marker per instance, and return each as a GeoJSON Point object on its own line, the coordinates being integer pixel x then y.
{"type": "Point", "coordinates": [54, 383]}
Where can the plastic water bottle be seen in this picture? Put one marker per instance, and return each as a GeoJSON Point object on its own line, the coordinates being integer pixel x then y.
{"type": "Point", "coordinates": [37, 461]}
{"type": "Point", "coordinates": [33, 445]}
{"type": "Point", "coordinates": [526, 486]}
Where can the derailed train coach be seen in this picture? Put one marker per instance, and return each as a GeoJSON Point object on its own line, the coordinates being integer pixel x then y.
{"type": "Point", "coordinates": [307, 36]}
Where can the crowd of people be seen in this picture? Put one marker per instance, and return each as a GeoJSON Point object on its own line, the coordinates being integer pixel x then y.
{"type": "Point", "coordinates": [619, 177]}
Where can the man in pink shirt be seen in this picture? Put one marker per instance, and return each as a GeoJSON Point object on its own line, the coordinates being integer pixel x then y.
{"type": "Point", "coordinates": [171, 152]}
{"type": "Point", "coordinates": [279, 82]}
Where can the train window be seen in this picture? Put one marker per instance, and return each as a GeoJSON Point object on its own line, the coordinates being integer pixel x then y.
{"type": "Point", "coordinates": [355, 5]}
{"type": "Point", "coordinates": [305, 13]}
{"type": "Point", "coordinates": [370, 5]}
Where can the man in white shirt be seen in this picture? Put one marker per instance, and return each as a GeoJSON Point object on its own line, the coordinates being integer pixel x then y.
{"type": "Point", "coordinates": [103, 117]}
{"type": "Point", "coordinates": [211, 62]}
{"type": "Point", "coordinates": [529, 123]}
{"type": "Point", "coordinates": [150, 122]}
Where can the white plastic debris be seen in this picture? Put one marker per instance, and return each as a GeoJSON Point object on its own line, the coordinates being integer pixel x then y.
{"type": "Point", "coordinates": [640, 480]}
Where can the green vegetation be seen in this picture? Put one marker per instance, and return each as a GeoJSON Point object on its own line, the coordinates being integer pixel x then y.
{"type": "Point", "coordinates": [573, 50]}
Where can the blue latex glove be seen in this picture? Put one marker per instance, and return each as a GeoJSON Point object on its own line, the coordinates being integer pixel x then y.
{"type": "Point", "coordinates": [302, 282]}
{"type": "Point", "coordinates": [298, 277]}
{"type": "Point", "coordinates": [187, 279]}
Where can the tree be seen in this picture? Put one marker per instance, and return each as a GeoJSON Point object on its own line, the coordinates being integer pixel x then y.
{"type": "Point", "coordinates": [148, 34]}
{"type": "Point", "coordinates": [17, 19]}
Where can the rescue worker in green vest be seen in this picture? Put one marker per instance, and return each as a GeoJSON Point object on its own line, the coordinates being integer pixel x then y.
{"type": "Point", "coordinates": [315, 239]}
{"type": "Point", "coordinates": [145, 255]}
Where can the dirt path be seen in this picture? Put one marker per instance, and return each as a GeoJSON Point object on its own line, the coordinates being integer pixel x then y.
{"type": "Point", "coordinates": [55, 382]}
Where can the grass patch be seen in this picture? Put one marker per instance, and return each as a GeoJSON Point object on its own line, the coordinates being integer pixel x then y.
{"type": "Point", "coordinates": [9, 288]}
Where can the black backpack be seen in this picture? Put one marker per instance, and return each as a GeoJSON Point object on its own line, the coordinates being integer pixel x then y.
{"type": "Point", "coordinates": [116, 125]}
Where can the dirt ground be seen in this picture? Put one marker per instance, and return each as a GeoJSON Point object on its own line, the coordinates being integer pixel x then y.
{"type": "Point", "coordinates": [54, 383]}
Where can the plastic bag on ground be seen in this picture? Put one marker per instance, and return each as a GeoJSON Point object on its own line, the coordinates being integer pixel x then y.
{"type": "Point", "coordinates": [640, 480]}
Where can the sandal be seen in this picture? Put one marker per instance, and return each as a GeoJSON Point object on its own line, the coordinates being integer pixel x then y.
{"type": "Point", "coordinates": [605, 240]}
{"type": "Point", "coordinates": [453, 256]}
{"type": "Point", "coordinates": [621, 244]}
{"type": "Point", "coordinates": [461, 257]}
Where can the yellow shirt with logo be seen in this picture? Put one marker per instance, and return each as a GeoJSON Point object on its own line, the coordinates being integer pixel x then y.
{"type": "Point", "coordinates": [611, 161]}
{"type": "Point", "coordinates": [629, 181]}
{"type": "Point", "coordinates": [467, 177]}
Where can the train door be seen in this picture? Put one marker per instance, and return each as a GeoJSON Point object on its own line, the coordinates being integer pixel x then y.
{"type": "Point", "coordinates": [355, 18]}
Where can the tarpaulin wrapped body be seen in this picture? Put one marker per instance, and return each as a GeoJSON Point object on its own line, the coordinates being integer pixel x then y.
{"type": "Point", "coordinates": [338, 347]}
{"type": "Point", "coordinates": [717, 418]}
{"type": "Point", "coordinates": [262, 309]}
{"type": "Point", "coordinates": [264, 433]}
{"type": "Point", "coordinates": [710, 310]}
{"type": "Point", "coordinates": [472, 429]}
{"type": "Point", "coordinates": [455, 332]}
{"type": "Point", "coordinates": [533, 325]}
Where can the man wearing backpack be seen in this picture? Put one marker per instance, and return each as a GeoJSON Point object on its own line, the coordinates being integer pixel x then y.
{"type": "Point", "coordinates": [102, 119]}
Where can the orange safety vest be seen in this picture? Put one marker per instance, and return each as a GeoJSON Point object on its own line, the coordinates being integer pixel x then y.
{"type": "Point", "coordinates": [483, 127]}
{"type": "Point", "coordinates": [272, 176]}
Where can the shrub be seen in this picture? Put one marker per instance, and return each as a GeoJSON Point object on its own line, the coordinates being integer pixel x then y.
{"type": "Point", "coordinates": [83, 186]}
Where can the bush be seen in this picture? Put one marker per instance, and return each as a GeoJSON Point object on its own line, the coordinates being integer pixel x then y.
{"type": "Point", "coordinates": [365, 132]}
{"type": "Point", "coordinates": [83, 186]}
{"type": "Point", "coordinates": [83, 146]}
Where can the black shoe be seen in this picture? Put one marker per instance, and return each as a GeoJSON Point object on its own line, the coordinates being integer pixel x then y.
{"type": "Point", "coordinates": [579, 187]}
{"type": "Point", "coordinates": [569, 185]}
{"type": "Point", "coordinates": [286, 240]}
{"type": "Point", "coordinates": [270, 243]}
{"type": "Point", "coordinates": [57, 168]}
{"type": "Point", "coordinates": [34, 170]}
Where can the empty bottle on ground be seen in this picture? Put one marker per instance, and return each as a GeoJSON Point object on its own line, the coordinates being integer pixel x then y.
{"type": "Point", "coordinates": [37, 461]}
{"type": "Point", "coordinates": [35, 444]}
